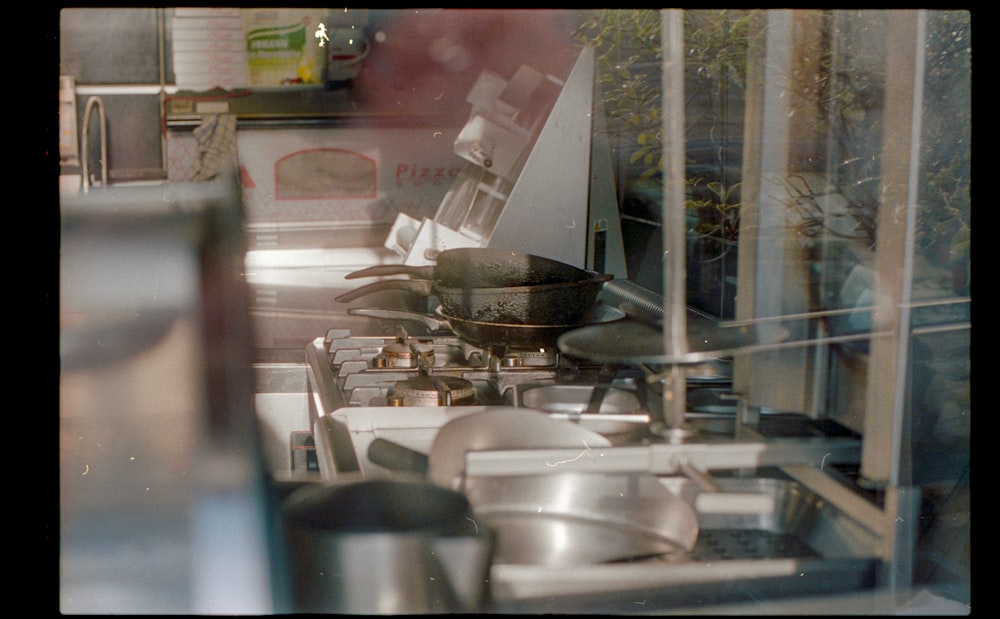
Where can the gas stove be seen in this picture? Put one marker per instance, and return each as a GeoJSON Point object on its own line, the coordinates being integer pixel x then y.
{"type": "Point", "coordinates": [408, 380]}
{"type": "Point", "coordinates": [417, 371]}
{"type": "Point", "coordinates": [411, 375]}
{"type": "Point", "coordinates": [402, 389]}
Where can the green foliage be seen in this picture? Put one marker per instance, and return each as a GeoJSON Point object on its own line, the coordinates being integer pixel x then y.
{"type": "Point", "coordinates": [944, 224]}
{"type": "Point", "coordinates": [719, 209]}
{"type": "Point", "coordinates": [716, 43]}
{"type": "Point", "coordinates": [627, 49]}
{"type": "Point", "coordinates": [842, 96]}
{"type": "Point", "coordinates": [627, 46]}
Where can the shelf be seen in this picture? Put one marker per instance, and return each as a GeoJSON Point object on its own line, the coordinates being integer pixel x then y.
{"type": "Point", "coordinates": [286, 107]}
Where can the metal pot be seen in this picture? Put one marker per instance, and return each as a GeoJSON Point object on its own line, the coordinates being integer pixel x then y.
{"type": "Point", "coordinates": [482, 333]}
{"type": "Point", "coordinates": [384, 547]}
{"type": "Point", "coordinates": [492, 285]}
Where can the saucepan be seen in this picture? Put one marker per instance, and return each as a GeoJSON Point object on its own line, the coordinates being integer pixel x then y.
{"type": "Point", "coordinates": [384, 547]}
{"type": "Point", "coordinates": [551, 518]}
{"type": "Point", "coordinates": [481, 333]}
{"type": "Point", "coordinates": [494, 285]}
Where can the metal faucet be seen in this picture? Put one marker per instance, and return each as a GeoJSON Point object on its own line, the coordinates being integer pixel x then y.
{"type": "Point", "coordinates": [84, 146]}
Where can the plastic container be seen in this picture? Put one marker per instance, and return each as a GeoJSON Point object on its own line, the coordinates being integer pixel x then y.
{"type": "Point", "coordinates": [283, 47]}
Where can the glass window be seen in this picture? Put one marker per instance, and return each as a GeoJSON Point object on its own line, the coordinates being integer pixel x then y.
{"type": "Point", "coordinates": [110, 46]}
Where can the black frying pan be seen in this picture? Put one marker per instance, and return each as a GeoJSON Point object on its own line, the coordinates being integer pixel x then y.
{"type": "Point", "coordinates": [495, 286]}
{"type": "Point", "coordinates": [496, 334]}
{"type": "Point", "coordinates": [484, 267]}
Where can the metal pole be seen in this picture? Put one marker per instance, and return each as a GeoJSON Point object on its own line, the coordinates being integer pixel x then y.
{"type": "Point", "coordinates": [674, 232]}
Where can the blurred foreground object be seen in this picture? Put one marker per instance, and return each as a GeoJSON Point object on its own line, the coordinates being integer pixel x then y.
{"type": "Point", "coordinates": [161, 491]}
{"type": "Point", "coordinates": [426, 60]}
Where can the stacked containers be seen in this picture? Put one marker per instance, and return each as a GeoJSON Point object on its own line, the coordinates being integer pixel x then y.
{"type": "Point", "coordinates": [209, 49]}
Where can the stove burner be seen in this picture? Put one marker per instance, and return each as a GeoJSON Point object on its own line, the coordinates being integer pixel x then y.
{"type": "Point", "coordinates": [541, 358]}
{"type": "Point", "coordinates": [376, 370]}
{"type": "Point", "coordinates": [429, 390]}
{"type": "Point", "coordinates": [404, 354]}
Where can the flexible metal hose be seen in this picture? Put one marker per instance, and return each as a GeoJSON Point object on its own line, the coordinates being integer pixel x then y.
{"type": "Point", "coordinates": [633, 299]}
{"type": "Point", "coordinates": [640, 302]}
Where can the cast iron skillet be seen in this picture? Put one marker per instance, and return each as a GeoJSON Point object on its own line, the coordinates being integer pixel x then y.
{"type": "Point", "coordinates": [496, 334]}
{"type": "Point", "coordinates": [494, 286]}
{"type": "Point", "coordinates": [484, 267]}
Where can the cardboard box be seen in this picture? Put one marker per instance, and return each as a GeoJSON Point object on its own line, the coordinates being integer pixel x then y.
{"type": "Point", "coordinates": [209, 49]}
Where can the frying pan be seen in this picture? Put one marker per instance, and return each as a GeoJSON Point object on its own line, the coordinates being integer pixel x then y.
{"type": "Point", "coordinates": [506, 335]}
{"type": "Point", "coordinates": [493, 285]}
{"type": "Point", "coordinates": [563, 519]}
{"type": "Point", "coordinates": [483, 267]}
{"type": "Point", "coordinates": [554, 518]}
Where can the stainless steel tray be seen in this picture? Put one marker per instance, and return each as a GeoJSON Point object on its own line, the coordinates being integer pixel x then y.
{"type": "Point", "coordinates": [800, 544]}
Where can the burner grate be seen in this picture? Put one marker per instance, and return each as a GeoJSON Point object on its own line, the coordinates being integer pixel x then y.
{"type": "Point", "coordinates": [368, 368]}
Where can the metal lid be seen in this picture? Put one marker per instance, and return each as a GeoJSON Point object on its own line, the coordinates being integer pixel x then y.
{"type": "Point", "coordinates": [635, 342]}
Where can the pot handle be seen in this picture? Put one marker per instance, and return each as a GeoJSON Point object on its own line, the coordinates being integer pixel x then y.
{"type": "Point", "coordinates": [421, 272]}
{"type": "Point", "coordinates": [712, 500]}
{"type": "Point", "coordinates": [396, 457]}
{"type": "Point", "coordinates": [420, 286]}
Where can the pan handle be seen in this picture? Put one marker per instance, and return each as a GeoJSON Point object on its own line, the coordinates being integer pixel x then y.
{"type": "Point", "coordinates": [433, 324]}
{"type": "Point", "coordinates": [420, 272]}
{"type": "Point", "coordinates": [396, 457]}
{"type": "Point", "coordinates": [420, 286]}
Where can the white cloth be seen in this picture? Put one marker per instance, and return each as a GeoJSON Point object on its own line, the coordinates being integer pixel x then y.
{"type": "Point", "coordinates": [216, 136]}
